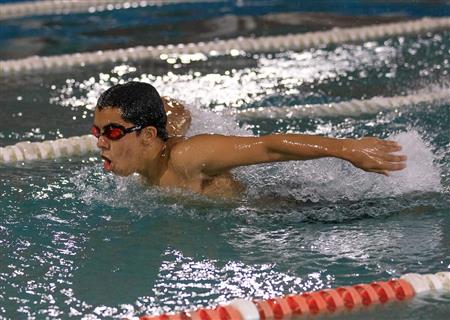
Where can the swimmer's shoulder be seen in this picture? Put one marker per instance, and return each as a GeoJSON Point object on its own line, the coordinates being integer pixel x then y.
{"type": "Point", "coordinates": [187, 153]}
{"type": "Point", "coordinates": [181, 147]}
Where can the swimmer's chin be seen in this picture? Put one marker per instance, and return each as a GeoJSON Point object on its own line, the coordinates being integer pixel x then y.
{"type": "Point", "coordinates": [119, 172]}
{"type": "Point", "coordinates": [122, 174]}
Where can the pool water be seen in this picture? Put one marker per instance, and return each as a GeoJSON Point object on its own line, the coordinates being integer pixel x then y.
{"type": "Point", "coordinates": [78, 242]}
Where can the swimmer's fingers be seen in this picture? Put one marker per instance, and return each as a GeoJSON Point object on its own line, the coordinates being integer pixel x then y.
{"type": "Point", "coordinates": [376, 155]}
{"type": "Point", "coordinates": [396, 166]}
{"type": "Point", "coordinates": [394, 157]}
{"type": "Point", "coordinates": [383, 172]}
{"type": "Point", "coordinates": [380, 141]}
{"type": "Point", "coordinates": [385, 166]}
{"type": "Point", "coordinates": [384, 162]}
{"type": "Point", "coordinates": [387, 146]}
{"type": "Point", "coordinates": [391, 149]}
{"type": "Point", "coordinates": [390, 142]}
{"type": "Point", "coordinates": [390, 146]}
{"type": "Point", "coordinates": [382, 156]}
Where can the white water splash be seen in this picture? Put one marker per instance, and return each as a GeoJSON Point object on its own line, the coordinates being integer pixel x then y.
{"type": "Point", "coordinates": [333, 179]}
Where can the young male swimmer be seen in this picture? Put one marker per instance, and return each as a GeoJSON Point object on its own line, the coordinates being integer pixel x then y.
{"type": "Point", "coordinates": [140, 132]}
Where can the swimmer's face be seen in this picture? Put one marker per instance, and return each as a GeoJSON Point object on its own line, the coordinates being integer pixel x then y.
{"type": "Point", "coordinates": [120, 156]}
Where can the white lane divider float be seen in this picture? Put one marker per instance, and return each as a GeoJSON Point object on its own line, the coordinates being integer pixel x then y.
{"type": "Point", "coordinates": [78, 146]}
{"type": "Point", "coordinates": [347, 108]}
{"type": "Point", "coordinates": [47, 7]}
{"type": "Point", "coordinates": [51, 149]}
{"type": "Point", "coordinates": [262, 44]}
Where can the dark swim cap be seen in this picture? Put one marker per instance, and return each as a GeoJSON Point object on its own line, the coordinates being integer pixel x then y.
{"type": "Point", "coordinates": [139, 103]}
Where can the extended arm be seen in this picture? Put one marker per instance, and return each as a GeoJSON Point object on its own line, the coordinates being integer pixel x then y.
{"type": "Point", "coordinates": [215, 153]}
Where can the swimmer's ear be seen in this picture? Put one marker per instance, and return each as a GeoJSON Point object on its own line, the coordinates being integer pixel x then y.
{"type": "Point", "coordinates": [148, 135]}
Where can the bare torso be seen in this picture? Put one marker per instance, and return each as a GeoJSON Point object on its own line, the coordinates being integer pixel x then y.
{"type": "Point", "coordinates": [222, 185]}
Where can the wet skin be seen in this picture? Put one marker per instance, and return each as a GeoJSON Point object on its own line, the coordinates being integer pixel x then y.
{"type": "Point", "coordinates": [202, 163]}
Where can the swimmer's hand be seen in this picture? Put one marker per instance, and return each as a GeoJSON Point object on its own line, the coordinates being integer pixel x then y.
{"type": "Point", "coordinates": [373, 155]}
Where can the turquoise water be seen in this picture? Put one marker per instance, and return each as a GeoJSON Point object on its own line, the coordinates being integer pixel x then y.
{"type": "Point", "coordinates": [77, 242]}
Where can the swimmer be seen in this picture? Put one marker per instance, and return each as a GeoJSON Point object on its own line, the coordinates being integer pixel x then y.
{"type": "Point", "coordinates": [140, 132]}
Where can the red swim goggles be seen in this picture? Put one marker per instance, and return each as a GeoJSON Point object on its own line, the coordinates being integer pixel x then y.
{"type": "Point", "coordinates": [113, 131]}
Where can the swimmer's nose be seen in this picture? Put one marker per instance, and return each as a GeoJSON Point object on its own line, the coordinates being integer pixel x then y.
{"type": "Point", "coordinates": [102, 143]}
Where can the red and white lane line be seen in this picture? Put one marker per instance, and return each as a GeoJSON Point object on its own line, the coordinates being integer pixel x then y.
{"type": "Point", "coordinates": [327, 301]}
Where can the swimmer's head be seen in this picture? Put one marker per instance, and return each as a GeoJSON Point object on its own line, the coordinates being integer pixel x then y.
{"type": "Point", "coordinates": [130, 124]}
{"type": "Point", "coordinates": [139, 103]}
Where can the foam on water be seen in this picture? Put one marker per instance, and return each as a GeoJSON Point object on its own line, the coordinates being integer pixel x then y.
{"type": "Point", "coordinates": [334, 179]}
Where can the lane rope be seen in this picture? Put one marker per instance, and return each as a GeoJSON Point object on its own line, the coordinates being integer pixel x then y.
{"type": "Point", "coordinates": [327, 301]}
{"type": "Point", "coordinates": [350, 108]}
{"type": "Point", "coordinates": [48, 7]}
{"type": "Point", "coordinates": [261, 44]}
{"type": "Point", "coordinates": [79, 146]}
{"type": "Point", "coordinates": [51, 149]}
{"type": "Point", "coordinates": [324, 302]}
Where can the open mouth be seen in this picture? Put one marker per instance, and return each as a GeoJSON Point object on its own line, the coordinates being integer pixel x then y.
{"type": "Point", "coordinates": [107, 163]}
